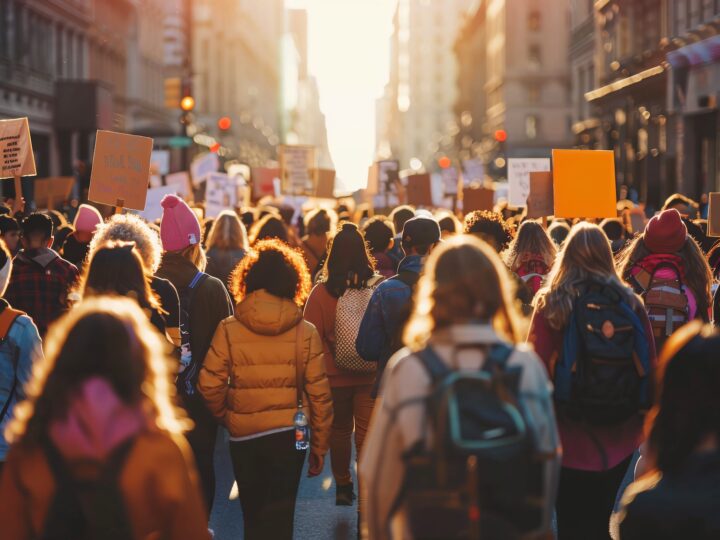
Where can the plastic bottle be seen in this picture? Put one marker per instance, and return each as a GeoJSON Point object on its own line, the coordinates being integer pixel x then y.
{"type": "Point", "coordinates": [302, 433]}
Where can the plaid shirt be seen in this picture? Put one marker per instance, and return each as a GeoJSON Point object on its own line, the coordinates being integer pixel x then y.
{"type": "Point", "coordinates": [39, 286]}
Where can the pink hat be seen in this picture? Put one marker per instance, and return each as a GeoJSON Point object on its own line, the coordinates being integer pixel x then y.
{"type": "Point", "coordinates": [87, 219]}
{"type": "Point", "coordinates": [666, 232]}
{"type": "Point", "coordinates": [179, 227]}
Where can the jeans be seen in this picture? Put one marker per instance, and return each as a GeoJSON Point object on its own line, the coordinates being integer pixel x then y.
{"type": "Point", "coordinates": [585, 502]}
{"type": "Point", "coordinates": [202, 442]}
{"type": "Point", "coordinates": [267, 471]}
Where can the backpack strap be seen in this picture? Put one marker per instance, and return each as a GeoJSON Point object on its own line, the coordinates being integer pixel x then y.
{"type": "Point", "coordinates": [408, 278]}
{"type": "Point", "coordinates": [497, 357]}
{"type": "Point", "coordinates": [433, 364]}
{"type": "Point", "coordinates": [299, 366]}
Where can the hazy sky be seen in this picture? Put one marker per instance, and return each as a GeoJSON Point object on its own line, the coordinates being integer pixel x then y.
{"type": "Point", "coordinates": [348, 44]}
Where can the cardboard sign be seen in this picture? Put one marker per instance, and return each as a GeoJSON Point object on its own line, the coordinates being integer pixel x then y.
{"type": "Point", "coordinates": [324, 183]}
{"type": "Point", "coordinates": [519, 177]}
{"type": "Point", "coordinates": [202, 166]}
{"type": "Point", "coordinates": [221, 193]}
{"type": "Point", "coordinates": [296, 169]}
{"type": "Point", "coordinates": [153, 210]}
{"type": "Point", "coordinates": [181, 182]}
{"type": "Point", "coordinates": [584, 183]}
{"type": "Point", "coordinates": [419, 190]}
{"type": "Point", "coordinates": [53, 191]}
{"type": "Point", "coordinates": [714, 215]}
{"type": "Point", "coordinates": [540, 201]}
{"type": "Point", "coordinates": [160, 162]}
{"type": "Point", "coordinates": [478, 198]}
{"type": "Point", "coordinates": [121, 168]}
{"type": "Point", "coordinates": [636, 218]}
{"type": "Point", "coordinates": [388, 174]}
{"type": "Point", "coordinates": [450, 179]}
{"type": "Point", "coordinates": [473, 171]}
{"type": "Point", "coordinates": [263, 182]}
{"type": "Point", "coordinates": [16, 153]}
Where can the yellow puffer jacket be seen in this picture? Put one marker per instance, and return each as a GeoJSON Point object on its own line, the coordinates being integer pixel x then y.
{"type": "Point", "coordinates": [248, 377]}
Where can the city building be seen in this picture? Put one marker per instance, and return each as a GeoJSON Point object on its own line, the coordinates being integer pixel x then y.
{"type": "Point", "coordinates": [585, 127]}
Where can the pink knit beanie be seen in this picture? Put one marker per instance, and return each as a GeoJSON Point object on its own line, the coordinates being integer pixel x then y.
{"type": "Point", "coordinates": [87, 219]}
{"type": "Point", "coordinates": [179, 227]}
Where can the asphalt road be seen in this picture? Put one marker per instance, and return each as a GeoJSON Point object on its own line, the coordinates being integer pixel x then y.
{"type": "Point", "coordinates": [316, 516]}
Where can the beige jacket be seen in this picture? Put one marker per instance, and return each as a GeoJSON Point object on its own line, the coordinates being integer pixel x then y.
{"type": "Point", "coordinates": [248, 378]}
{"type": "Point", "coordinates": [394, 430]}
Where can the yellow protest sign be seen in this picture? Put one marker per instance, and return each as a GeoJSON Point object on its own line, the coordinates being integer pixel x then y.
{"type": "Point", "coordinates": [584, 183]}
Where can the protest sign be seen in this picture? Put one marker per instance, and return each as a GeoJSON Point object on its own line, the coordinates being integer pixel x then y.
{"type": "Point", "coordinates": [53, 191]}
{"type": "Point", "coordinates": [714, 215]}
{"type": "Point", "coordinates": [450, 181]}
{"type": "Point", "coordinates": [221, 193]}
{"type": "Point", "coordinates": [153, 210]}
{"type": "Point", "coordinates": [519, 177]}
{"type": "Point", "coordinates": [584, 183]}
{"type": "Point", "coordinates": [296, 169]}
{"type": "Point", "coordinates": [478, 198]}
{"type": "Point", "coordinates": [473, 171]}
{"type": "Point", "coordinates": [202, 166]}
{"type": "Point", "coordinates": [540, 201]}
{"type": "Point", "coordinates": [155, 180]}
{"type": "Point", "coordinates": [324, 183]}
{"type": "Point", "coordinates": [121, 168]}
{"type": "Point", "coordinates": [181, 182]}
{"type": "Point", "coordinates": [263, 182]}
{"type": "Point", "coordinates": [419, 190]}
{"type": "Point", "coordinates": [16, 153]}
{"type": "Point", "coordinates": [160, 161]}
{"type": "Point", "coordinates": [388, 174]}
{"type": "Point", "coordinates": [636, 219]}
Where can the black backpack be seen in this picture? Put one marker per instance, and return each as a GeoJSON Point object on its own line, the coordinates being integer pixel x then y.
{"type": "Point", "coordinates": [88, 509]}
{"type": "Point", "coordinates": [481, 477]}
{"type": "Point", "coordinates": [601, 376]}
{"type": "Point", "coordinates": [187, 378]}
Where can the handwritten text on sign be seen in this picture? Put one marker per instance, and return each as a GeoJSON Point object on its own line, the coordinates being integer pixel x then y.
{"type": "Point", "coordinates": [296, 164]}
{"type": "Point", "coordinates": [519, 177]}
{"type": "Point", "coordinates": [16, 154]}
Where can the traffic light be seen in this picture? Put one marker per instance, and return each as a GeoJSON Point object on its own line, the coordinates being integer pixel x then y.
{"type": "Point", "coordinates": [501, 135]}
{"type": "Point", "coordinates": [225, 123]}
{"type": "Point", "coordinates": [173, 92]}
{"type": "Point", "coordinates": [444, 162]}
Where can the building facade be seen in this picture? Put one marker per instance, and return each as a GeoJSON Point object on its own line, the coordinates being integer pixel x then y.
{"type": "Point", "coordinates": [585, 126]}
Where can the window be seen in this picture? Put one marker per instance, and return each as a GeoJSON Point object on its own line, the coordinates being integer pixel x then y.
{"type": "Point", "coordinates": [534, 20]}
{"type": "Point", "coordinates": [535, 56]}
{"type": "Point", "coordinates": [532, 126]}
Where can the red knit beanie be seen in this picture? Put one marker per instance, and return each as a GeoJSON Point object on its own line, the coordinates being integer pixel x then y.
{"type": "Point", "coordinates": [666, 232]}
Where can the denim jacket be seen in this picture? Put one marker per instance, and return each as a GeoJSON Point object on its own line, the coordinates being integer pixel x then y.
{"type": "Point", "coordinates": [380, 323]}
{"type": "Point", "coordinates": [18, 352]}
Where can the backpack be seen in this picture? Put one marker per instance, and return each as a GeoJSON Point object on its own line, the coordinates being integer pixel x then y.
{"type": "Point", "coordinates": [410, 279]}
{"type": "Point", "coordinates": [189, 366]}
{"type": "Point", "coordinates": [351, 307]}
{"type": "Point", "coordinates": [8, 316]}
{"type": "Point", "coordinates": [532, 272]}
{"type": "Point", "coordinates": [602, 373]}
{"type": "Point", "coordinates": [88, 508]}
{"type": "Point", "coordinates": [481, 477]}
{"type": "Point", "coordinates": [665, 301]}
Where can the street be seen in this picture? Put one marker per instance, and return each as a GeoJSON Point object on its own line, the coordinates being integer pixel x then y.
{"type": "Point", "coordinates": [316, 516]}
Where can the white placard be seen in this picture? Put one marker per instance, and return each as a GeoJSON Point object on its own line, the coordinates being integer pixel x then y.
{"type": "Point", "coordinates": [153, 211]}
{"type": "Point", "coordinates": [160, 159]}
{"type": "Point", "coordinates": [181, 182]}
{"type": "Point", "coordinates": [221, 193]}
{"type": "Point", "coordinates": [296, 166]}
{"type": "Point", "coordinates": [519, 177]}
{"type": "Point", "coordinates": [473, 171]}
{"type": "Point", "coordinates": [449, 180]}
{"type": "Point", "coordinates": [202, 166]}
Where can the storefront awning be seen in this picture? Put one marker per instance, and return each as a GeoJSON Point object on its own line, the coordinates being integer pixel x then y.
{"type": "Point", "coordinates": [706, 51]}
{"type": "Point", "coordinates": [616, 86]}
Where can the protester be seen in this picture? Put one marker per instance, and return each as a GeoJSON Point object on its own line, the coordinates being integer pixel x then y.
{"type": "Point", "coordinates": [131, 228]}
{"type": "Point", "coordinates": [263, 364]}
{"type": "Point", "coordinates": [40, 278]}
{"type": "Point", "coordinates": [227, 244]}
{"type": "Point", "coordinates": [490, 227]}
{"type": "Point", "coordinates": [204, 303]}
{"type": "Point", "coordinates": [667, 268]}
{"type": "Point", "coordinates": [558, 232]}
{"type": "Point", "coordinates": [267, 227]}
{"type": "Point", "coordinates": [689, 209]}
{"type": "Point", "coordinates": [97, 451]}
{"type": "Point", "coordinates": [616, 233]}
{"type": "Point", "coordinates": [530, 256]}
{"type": "Point", "coordinates": [599, 410]}
{"type": "Point", "coordinates": [678, 497]}
{"type": "Point", "coordinates": [76, 245]}
{"type": "Point", "coordinates": [390, 306]}
{"type": "Point", "coordinates": [464, 309]}
{"type": "Point", "coordinates": [10, 234]}
{"type": "Point", "coordinates": [116, 269]}
{"type": "Point", "coordinates": [349, 267]}
{"type": "Point", "coordinates": [318, 225]}
{"type": "Point", "coordinates": [379, 234]}
{"type": "Point", "coordinates": [449, 224]}
{"type": "Point", "coordinates": [399, 216]}
{"type": "Point", "coordinates": [20, 348]}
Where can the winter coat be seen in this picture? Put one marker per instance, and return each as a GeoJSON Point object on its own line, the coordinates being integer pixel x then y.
{"type": "Point", "coordinates": [18, 352]}
{"type": "Point", "coordinates": [75, 251]}
{"type": "Point", "coordinates": [158, 481]}
{"type": "Point", "coordinates": [248, 379]}
{"type": "Point", "coordinates": [397, 429]}
{"type": "Point", "coordinates": [222, 262]}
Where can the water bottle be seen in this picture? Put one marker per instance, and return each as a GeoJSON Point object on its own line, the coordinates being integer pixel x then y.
{"type": "Point", "coordinates": [302, 434]}
{"type": "Point", "coordinates": [185, 357]}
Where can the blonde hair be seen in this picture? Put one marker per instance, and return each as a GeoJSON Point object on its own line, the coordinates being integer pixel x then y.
{"type": "Point", "coordinates": [227, 232]}
{"type": "Point", "coordinates": [141, 372]}
{"type": "Point", "coordinates": [464, 280]}
{"type": "Point", "coordinates": [130, 228]}
{"type": "Point", "coordinates": [586, 255]}
{"type": "Point", "coordinates": [531, 240]}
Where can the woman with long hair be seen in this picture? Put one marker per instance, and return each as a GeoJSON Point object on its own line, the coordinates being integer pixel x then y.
{"type": "Point", "coordinates": [265, 365]}
{"type": "Point", "coordinates": [348, 266]}
{"type": "Point", "coordinates": [227, 244]}
{"type": "Point", "coordinates": [595, 456]}
{"type": "Point", "coordinates": [379, 235]}
{"type": "Point", "coordinates": [319, 223]}
{"type": "Point", "coordinates": [530, 255]}
{"type": "Point", "coordinates": [668, 269]}
{"type": "Point", "coordinates": [464, 312]}
{"type": "Point", "coordinates": [204, 303]}
{"type": "Point", "coordinates": [99, 427]}
{"type": "Point", "coordinates": [267, 227]}
{"type": "Point", "coordinates": [678, 495]}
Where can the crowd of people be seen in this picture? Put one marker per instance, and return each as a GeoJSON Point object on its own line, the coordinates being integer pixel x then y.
{"type": "Point", "coordinates": [498, 377]}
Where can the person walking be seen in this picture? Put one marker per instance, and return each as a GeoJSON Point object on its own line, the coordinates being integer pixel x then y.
{"type": "Point", "coordinates": [97, 450]}
{"type": "Point", "coordinates": [379, 234]}
{"type": "Point", "coordinates": [76, 245]}
{"type": "Point", "coordinates": [594, 336]}
{"type": "Point", "coordinates": [464, 319]}
{"type": "Point", "coordinates": [204, 302]}
{"type": "Point", "coordinates": [227, 244]}
{"type": "Point", "coordinates": [530, 256]}
{"type": "Point", "coordinates": [349, 267]}
{"type": "Point", "coordinates": [265, 365]}
{"type": "Point", "coordinates": [319, 223]}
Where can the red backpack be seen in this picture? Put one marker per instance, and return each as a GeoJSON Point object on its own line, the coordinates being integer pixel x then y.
{"type": "Point", "coordinates": [532, 272]}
